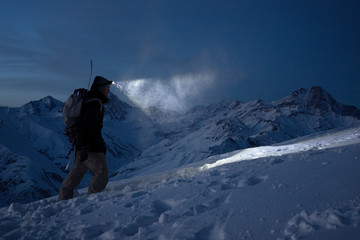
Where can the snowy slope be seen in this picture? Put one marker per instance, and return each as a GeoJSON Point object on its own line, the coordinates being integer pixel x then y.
{"type": "Point", "coordinates": [307, 188]}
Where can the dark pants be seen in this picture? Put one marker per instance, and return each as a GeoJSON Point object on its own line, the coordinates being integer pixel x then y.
{"type": "Point", "coordinates": [96, 162]}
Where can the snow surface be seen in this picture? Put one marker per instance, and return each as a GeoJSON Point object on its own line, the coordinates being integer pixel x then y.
{"type": "Point", "coordinates": [307, 188]}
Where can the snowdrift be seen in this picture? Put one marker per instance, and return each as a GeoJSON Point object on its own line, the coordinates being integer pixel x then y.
{"type": "Point", "coordinates": [304, 189]}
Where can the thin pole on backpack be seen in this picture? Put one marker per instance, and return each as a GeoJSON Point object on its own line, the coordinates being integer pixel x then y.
{"type": "Point", "coordinates": [91, 70]}
{"type": "Point", "coordinates": [71, 158]}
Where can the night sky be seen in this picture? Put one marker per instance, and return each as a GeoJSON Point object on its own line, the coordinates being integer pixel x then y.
{"type": "Point", "coordinates": [243, 50]}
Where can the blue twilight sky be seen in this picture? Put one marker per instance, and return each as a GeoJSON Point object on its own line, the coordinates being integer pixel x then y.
{"type": "Point", "coordinates": [242, 49]}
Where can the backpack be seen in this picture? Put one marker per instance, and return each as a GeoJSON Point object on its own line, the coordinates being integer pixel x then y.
{"type": "Point", "coordinates": [71, 113]}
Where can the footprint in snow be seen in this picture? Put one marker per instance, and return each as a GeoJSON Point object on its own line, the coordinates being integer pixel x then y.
{"type": "Point", "coordinates": [159, 207]}
{"type": "Point", "coordinates": [139, 194]}
{"type": "Point", "coordinates": [252, 181]}
{"type": "Point", "coordinates": [134, 204]}
{"type": "Point", "coordinates": [224, 184]}
{"type": "Point", "coordinates": [276, 161]}
{"type": "Point", "coordinates": [235, 175]}
{"type": "Point", "coordinates": [207, 206]}
{"type": "Point", "coordinates": [255, 180]}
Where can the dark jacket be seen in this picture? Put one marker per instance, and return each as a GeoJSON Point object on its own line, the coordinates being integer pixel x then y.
{"type": "Point", "coordinates": [91, 122]}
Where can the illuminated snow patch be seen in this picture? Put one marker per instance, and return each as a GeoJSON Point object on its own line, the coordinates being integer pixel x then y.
{"type": "Point", "coordinates": [342, 138]}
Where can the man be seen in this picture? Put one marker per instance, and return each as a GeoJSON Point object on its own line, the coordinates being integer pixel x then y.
{"type": "Point", "coordinates": [90, 146]}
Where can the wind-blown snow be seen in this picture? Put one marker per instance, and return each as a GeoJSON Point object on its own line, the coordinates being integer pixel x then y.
{"type": "Point", "coordinates": [307, 188]}
{"type": "Point", "coordinates": [175, 95]}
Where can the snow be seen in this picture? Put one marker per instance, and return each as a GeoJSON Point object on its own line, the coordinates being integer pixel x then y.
{"type": "Point", "coordinates": [307, 188]}
{"type": "Point", "coordinates": [145, 141]}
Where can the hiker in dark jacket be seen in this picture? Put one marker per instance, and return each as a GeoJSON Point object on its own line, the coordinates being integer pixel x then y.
{"type": "Point", "coordinates": [90, 146]}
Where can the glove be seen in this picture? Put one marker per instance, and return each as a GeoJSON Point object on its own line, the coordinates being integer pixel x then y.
{"type": "Point", "coordinates": [84, 153]}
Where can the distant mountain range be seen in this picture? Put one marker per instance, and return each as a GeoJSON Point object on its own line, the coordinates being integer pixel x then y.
{"type": "Point", "coordinates": [33, 147]}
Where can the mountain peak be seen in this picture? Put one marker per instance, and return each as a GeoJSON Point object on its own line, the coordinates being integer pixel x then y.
{"type": "Point", "coordinates": [44, 105]}
{"type": "Point", "coordinates": [316, 97]}
{"type": "Point", "coordinates": [116, 109]}
{"type": "Point", "coordinates": [319, 98]}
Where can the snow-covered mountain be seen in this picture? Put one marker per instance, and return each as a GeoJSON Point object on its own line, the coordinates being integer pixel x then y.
{"type": "Point", "coordinates": [306, 188]}
{"type": "Point", "coordinates": [33, 148]}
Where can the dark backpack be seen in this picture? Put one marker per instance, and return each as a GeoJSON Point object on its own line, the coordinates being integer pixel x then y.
{"type": "Point", "coordinates": [72, 112]}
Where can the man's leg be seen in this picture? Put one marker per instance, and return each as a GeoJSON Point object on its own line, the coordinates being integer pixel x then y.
{"type": "Point", "coordinates": [96, 162]}
{"type": "Point", "coordinates": [73, 179]}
